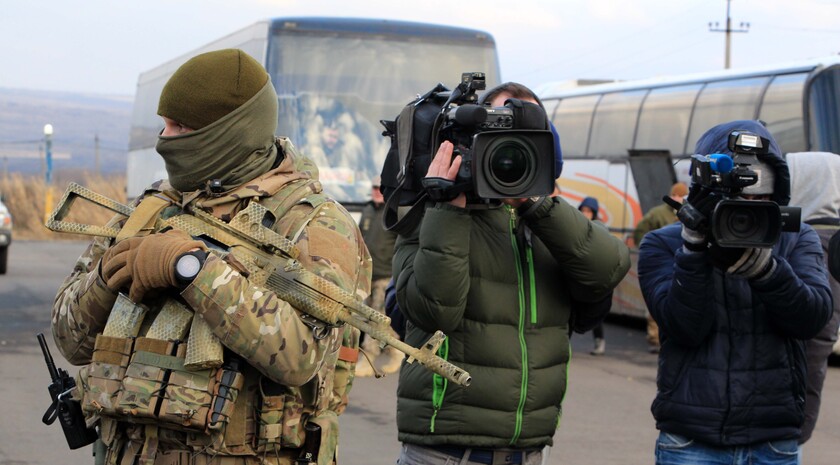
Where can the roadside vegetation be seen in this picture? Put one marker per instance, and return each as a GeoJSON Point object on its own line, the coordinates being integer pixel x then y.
{"type": "Point", "coordinates": [25, 196]}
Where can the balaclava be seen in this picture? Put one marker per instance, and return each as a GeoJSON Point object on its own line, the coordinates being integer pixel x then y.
{"type": "Point", "coordinates": [227, 98]}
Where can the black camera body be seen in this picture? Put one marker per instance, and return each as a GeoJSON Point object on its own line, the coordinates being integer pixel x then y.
{"type": "Point", "coordinates": [738, 222]}
{"type": "Point", "coordinates": [507, 151]}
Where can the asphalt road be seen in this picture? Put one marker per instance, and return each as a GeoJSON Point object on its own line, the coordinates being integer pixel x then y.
{"type": "Point", "coordinates": [606, 417]}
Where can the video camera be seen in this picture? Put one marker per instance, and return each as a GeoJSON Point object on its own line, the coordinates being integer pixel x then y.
{"type": "Point", "coordinates": [736, 222]}
{"type": "Point", "coordinates": [507, 151]}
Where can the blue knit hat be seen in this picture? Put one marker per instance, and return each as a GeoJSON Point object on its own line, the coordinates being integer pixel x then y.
{"type": "Point", "coordinates": [590, 202]}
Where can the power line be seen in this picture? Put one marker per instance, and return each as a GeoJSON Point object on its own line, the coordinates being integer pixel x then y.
{"type": "Point", "coordinates": [806, 29]}
{"type": "Point", "coordinates": [22, 142]}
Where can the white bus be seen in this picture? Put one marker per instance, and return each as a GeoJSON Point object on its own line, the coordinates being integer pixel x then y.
{"type": "Point", "coordinates": [626, 143]}
{"type": "Point", "coordinates": [335, 79]}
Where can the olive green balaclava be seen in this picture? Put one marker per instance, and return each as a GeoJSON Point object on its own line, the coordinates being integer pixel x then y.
{"type": "Point", "coordinates": [228, 99]}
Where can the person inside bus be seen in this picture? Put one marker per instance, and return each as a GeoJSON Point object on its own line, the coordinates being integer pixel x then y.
{"type": "Point", "coordinates": [589, 207]}
{"type": "Point", "coordinates": [733, 323]}
{"type": "Point", "coordinates": [220, 116]}
{"type": "Point", "coordinates": [657, 217]}
{"type": "Point", "coordinates": [815, 187]}
{"type": "Point", "coordinates": [464, 271]}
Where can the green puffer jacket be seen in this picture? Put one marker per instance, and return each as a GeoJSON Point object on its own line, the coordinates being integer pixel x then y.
{"type": "Point", "coordinates": [502, 292]}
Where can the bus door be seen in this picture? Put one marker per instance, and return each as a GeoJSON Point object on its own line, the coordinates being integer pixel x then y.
{"type": "Point", "coordinates": [653, 174]}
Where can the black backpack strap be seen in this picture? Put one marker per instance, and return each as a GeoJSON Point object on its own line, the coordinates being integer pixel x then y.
{"type": "Point", "coordinates": [390, 217]}
{"type": "Point", "coordinates": [405, 137]}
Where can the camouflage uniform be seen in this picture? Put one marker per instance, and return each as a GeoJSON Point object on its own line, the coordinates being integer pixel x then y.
{"type": "Point", "coordinates": [289, 377]}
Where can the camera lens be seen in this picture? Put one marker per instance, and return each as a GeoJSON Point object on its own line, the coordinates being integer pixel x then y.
{"type": "Point", "coordinates": [509, 163]}
{"type": "Point", "coordinates": [744, 222]}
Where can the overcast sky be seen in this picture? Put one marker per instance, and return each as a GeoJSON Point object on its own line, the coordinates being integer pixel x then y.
{"type": "Point", "coordinates": [100, 46]}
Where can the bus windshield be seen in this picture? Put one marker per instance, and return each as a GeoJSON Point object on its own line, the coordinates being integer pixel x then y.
{"type": "Point", "coordinates": [335, 78]}
{"type": "Point", "coordinates": [334, 87]}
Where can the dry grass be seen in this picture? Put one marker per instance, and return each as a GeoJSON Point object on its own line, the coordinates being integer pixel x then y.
{"type": "Point", "coordinates": [25, 196]}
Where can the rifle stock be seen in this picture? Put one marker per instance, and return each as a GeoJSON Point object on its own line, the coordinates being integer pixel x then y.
{"type": "Point", "coordinates": [271, 260]}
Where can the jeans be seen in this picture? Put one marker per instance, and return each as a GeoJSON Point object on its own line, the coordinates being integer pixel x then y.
{"type": "Point", "coordinates": [673, 449]}
{"type": "Point", "coordinates": [411, 454]}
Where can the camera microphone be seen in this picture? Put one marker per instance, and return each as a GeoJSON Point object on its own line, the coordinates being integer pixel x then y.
{"type": "Point", "coordinates": [469, 115]}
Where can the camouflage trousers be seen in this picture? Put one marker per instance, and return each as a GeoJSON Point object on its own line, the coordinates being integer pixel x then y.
{"type": "Point", "coordinates": [188, 458]}
{"type": "Point", "coordinates": [286, 457]}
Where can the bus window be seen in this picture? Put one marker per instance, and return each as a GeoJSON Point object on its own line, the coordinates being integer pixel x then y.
{"type": "Point", "coordinates": [615, 123]}
{"type": "Point", "coordinates": [781, 110]}
{"type": "Point", "coordinates": [823, 115]}
{"type": "Point", "coordinates": [335, 87]}
{"type": "Point", "coordinates": [572, 119]}
{"type": "Point", "coordinates": [663, 123]}
{"type": "Point", "coordinates": [724, 101]}
{"type": "Point", "coordinates": [550, 106]}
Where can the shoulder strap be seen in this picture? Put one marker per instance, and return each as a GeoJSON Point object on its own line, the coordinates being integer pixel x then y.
{"type": "Point", "coordinates": [142, 221]}
{"type": "Point", "coordinates": [302, 191]}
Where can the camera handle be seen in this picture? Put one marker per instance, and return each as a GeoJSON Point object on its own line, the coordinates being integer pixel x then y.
{"type": "Point", "coordinates": [672, 203]}
{"type": "Point", "coordinates": [443, 190]}
{"type": "Point", "coordinates": [688, 215]}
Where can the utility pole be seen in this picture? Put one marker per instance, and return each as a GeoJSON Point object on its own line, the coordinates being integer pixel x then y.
{"type": "Point", "coordinates": [96, 151]}
{"type": "Point", "coordinates": [713, 27]}
{"type": "Point", "coordinates": [48, 198]}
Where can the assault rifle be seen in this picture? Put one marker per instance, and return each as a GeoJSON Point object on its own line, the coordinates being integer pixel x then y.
{"type": "Point", "coordinates": [271, 260]}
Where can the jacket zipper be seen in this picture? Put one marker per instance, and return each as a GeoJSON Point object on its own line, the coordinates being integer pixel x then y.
{"type": "Point", "coordinates": [529, 256]}
{"type": "Point", "coordinates": [523, 387]}
{"type": "Point", "coordinates": [439, 384]}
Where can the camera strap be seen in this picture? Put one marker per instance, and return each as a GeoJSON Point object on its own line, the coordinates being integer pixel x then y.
{"type": "Point", "coordinates": [405, 137]}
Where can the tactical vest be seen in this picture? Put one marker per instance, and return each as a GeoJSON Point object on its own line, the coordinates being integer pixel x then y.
{"type": "Point", "coordinates": [159, 380]}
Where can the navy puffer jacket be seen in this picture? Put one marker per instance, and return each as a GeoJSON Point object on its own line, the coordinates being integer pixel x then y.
{"type": "Point", "coordinates": [732, 363]}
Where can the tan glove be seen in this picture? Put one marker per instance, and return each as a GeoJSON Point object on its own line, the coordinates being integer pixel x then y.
{"type": "Point", "coordinates": [145, 263]}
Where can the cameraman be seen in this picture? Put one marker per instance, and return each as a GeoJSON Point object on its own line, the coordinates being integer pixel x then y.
{"type": "Point", "coordinates": [733, 324]}
{"type": "Point", "coordinates": [500, 282]}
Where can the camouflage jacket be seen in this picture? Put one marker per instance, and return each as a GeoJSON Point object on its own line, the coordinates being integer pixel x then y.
{"type": "Point", "coordinates": [251, 321]}
{"type": "Point", "coordinates": [658, 217]}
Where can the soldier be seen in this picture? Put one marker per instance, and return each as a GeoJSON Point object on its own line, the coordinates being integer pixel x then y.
{"type": "Point", "coordinates": [658, 217]}
{"type": "Point", "coordinates": [284, 376]}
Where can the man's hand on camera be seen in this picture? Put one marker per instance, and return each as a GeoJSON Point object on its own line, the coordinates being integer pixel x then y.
{"type": "Point", "coordinates": [748, 263]}
{"type": "Point", "coordinates": [694, 241]}
{"type": "Point", "coordinates": [695, 216]}
{"type": "Point", "coordinates": [443, 166]}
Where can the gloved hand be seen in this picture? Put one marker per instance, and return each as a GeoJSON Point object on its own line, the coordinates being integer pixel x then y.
{"type": "Point", "coordinates": [699, 207]}
{"type": "Point", "coordinates": [748, 263]}
{"type": "Point", "coordinates": [695, 216]}
{"type": "Point", "coordinates": [145, 263]}
{"type": "Point", "coordinates": [694, 241]}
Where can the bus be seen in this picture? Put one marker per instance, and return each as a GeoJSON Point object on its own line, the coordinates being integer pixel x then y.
{"type": "Point", "coordinates": [336, 78]}
{"type": "Point", "coordinates": [626, 143]}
